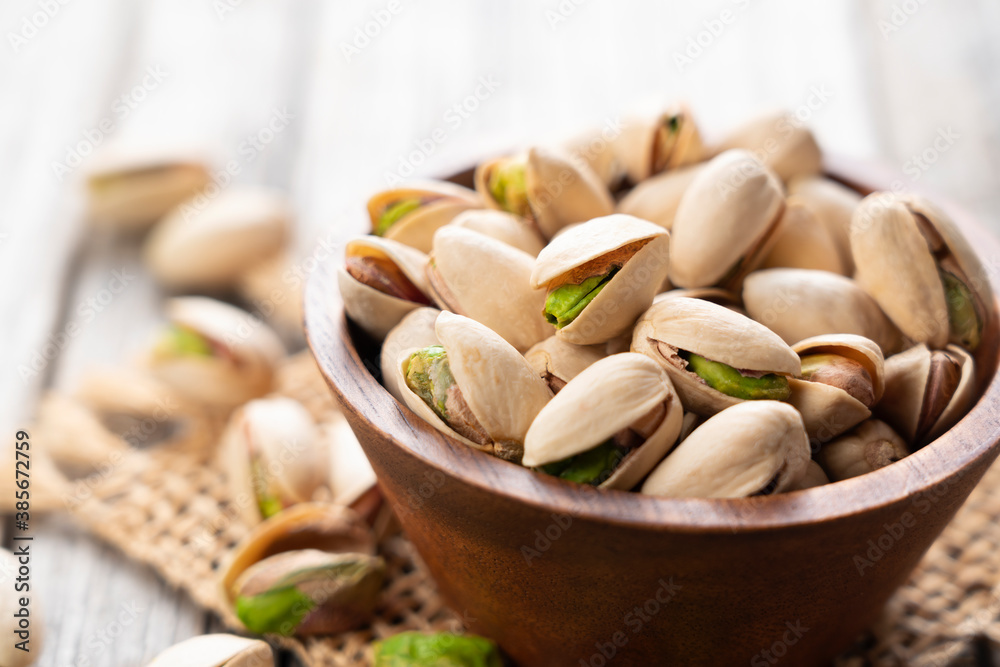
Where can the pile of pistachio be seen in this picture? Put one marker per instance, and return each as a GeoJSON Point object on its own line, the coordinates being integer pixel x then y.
{"type": "Point", "coordinates": [658, 313]}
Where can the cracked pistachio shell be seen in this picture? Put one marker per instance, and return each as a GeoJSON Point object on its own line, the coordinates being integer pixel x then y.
{"type": "Point", "coordinates": [560, 190]}
{"type": "Point", "coordinates": [216, 651]}
{"type": "Point", "coordinates": [415, 331]}
{"type": "Point", "coordinates": [812, 477]}
{"type": "Point", "coordinates": [725, 222]}
{"type": "Point", "coordinates": [208, 247]}
{"type": "Point", "coordinates": [856, 348]}
{"type": "Point", "coordinates": [557, 362]}
{"type": "Point", "coordinates": [627, 294]}
{"type": "Point", "coordinates": [803, 242]}
{"type": "Point", "coordinates": [130, 188]}
{"type": "Point", "coordinates": [271, 449]}
{"type": "Point", "coordinates": [908, 391]}
{"type": "Point", "coordinates": [646, 147]}
{"type": "Point", "coordinates": [739, 452]}
{"type": "Point", "coordinates": [377, 312]}
{"type": "Point", "coordinates": [833, 205]}
{"type": "Point", "coordinates": [802, 303]}
{"type": "Point", "coordinates": [10, 656]}
{"type": "Point", "coordinates": [656, 199]}
{"type": "Point", "coordinates": [608, 397]}
{"type": "Point", "coordinates": [501, 389]}
{"type": "Point", "coordinates": [506, 227]}
{"type": "Point", "coordinates": [826, 411]}
{"type": "Point", "coordinates": [781, 142]}
{"type": "Point", "coordinates": [716, 333]}
{"type": "Point", "coordinates": [487, 280]}
{"type": "Point", "coordinates": [872, 445]}
{"type": "Point", "coordinates": [246, 353]}
{"type": "Point", "coordinates": [896, 266]}
{"type": "Point", "coordinates": [416, 229]}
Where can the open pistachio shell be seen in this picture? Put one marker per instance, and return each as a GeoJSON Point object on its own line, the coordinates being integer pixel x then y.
{"type": "Point", "coordinates": [506, 227]}
{"type": "Point", "coordinates": [209, 247]}
{"type": "Point", "coordinates": [414, 331]}
{"type": "Point", "coordinates": [425, 207]}
{"type": "Point", "coordinates": [833, 205]}
{"type": "Point", "coordinates": [130, 188]}
{"type": "Point", "coordinates": [803, 242]}
{"type": "Point", "coordinates": [656, 199]}
{"type": "Point", "coordinates": [906, 251]}
{"type": "Point", "coordinates": [754, 448]}
{"type": "Point", "coordinates": [726, 221]}
{"type": "Point", "coordinates": [646, 147]}
{"type": "Point", "coordinates": [801, 303]}
{"type": "Point", "coordinates": [635, 251]}
{"type": "Point", "coordinates": [378, 310]}
{"type": "Point", "coordinates": [872, 445]}
{"type": "Point", "coordinates": [826, 411]}
{"type": "Point", "coordinates": [716, 333]}
{"type": "Point", "coordinates": [813, 476]}
{"type": "Point", "coordinates": [607, 398]}
{"type": "Point", "coordinates": [557, 362]}
{"type": "Point", "coordinates": [499, 388]}
{"type": "Point", "coordinates": [859, 349]}
{"type": "Point", "coordinates": [927, 392]}
{"type": "Point", "coordinates": [216, 651]}
{"type": "Point", "coordinates": [781, 142]}
{"type": "Point", "coordinates": [485, 279]}
{"type": "Point", "coordinates": [236, 357]}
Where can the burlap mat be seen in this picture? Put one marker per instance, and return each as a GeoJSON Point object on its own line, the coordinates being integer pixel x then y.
{"type": "Point", "coordinates": [169, 508]}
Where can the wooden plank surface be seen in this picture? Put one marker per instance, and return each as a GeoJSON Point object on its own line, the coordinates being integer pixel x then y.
{"type": "Point", "coordinates": [520, 72]}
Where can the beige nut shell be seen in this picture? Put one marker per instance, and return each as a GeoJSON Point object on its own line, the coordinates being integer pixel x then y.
{"type": "Point", "coordinates": [416, 229]}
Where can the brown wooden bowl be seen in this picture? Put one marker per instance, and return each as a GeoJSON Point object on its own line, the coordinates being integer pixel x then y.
{"type": "Point", "coordinates": [563, 574]}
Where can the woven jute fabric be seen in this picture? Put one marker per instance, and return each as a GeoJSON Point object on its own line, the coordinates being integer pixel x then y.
{"type": "Point", "coordinates": [170, 508]}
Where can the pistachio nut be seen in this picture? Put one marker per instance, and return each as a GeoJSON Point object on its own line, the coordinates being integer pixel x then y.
{"type": "Point", "coordinates": [813, 476]}
{"type": "Point", "coordinates": [546, 187]}
{"type": "Point", "coordinates": [920, 269]}
{"type": "Point", "coordinates": [833, 205]}
{"type": "Point", "coordinates": [843, 377]}
{"type": "Point", "coordinates": [351, 477]}
{"type": "Point", "coordinates": [506, 227]}
{"type": "Point", "coordinates": [750, 449]}
{"type": "Point", "coordinates": [802, 303]}
{"type": "Point", "coordinates": [474, 387]}
{"type": "Point", "coordinates": [414, 331]}
{"type": "Point", "coordinates": [267, 283]}
{"type": "Point", "coordinates": [485, 279]}
{"type": "Point", "coordinates": [803, 242]}
{"type": "Point", "coordinates": [381, 281]}
{"type": "Point", "coordinates": [412, 213]}
{"type": "Point", "coordinates": [595, 147]}
{"type": "Point", "coordinates": [216, 651]}
{"type": "Point", "coordinates": [557, 362]}
{"type": "Point", "coordinates": [781, 142]}
{"type": "Point", "coordinates": [646, 147]}
{"type": "Point", "coordinates": [600, 276]}
{"type": "Point", "coordinates": [214, 353]}
{"type": "Point", "coordinates": [131, 187]}
{"type": "Point", "coordinates": [609, 425]}
{"type": "Point", "coordinates": [690, 422]}
{"type": "Point", "coordinates": [348, 589]}
{"type": "Point", "coordinates": [208, 246]}
{"type": "Point", "coordinates": [726, 222]}
{"type": "Point", "coordinates": [870, 446]}
{"type": "Point", "coordinates": [10, 655]}
{"type": "Point", "coordinates": [272, 453]}
{"type": "Point", "coordinates": [656, 199]}
{"type": "Point", "coordinates": [714, 356]}
{"type": "Point", "coordinates": [716, 295]}
{"type": "Point", "coordinates": [927, 391]}
{"type": "Point", "coordinates": [416, 649]}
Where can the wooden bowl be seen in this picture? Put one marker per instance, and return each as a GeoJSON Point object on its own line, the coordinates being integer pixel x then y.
{"type": "Point", "coordinates": [562, 574]}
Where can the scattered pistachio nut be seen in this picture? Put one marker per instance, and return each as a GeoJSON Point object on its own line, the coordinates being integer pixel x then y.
{"type": "Point", "coordinates": [646, 147]}
{"type": "Point", "coordinates": [870, 446]}
{"type": "Point", "coordinates": [412, 213]}
{"type": "Point", "coordinates": [443, 649]}
{"type": "Point", "coordinates": [216, 651]}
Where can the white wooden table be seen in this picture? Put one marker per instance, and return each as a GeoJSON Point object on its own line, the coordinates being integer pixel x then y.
{"type": "Point", "coordinates": [876, 80]}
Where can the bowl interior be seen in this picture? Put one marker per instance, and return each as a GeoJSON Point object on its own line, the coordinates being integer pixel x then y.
{"type": "Point", "coordinates": [350, 362]}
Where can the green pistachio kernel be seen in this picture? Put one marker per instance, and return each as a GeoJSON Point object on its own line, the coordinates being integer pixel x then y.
{"type": "Point", "coordinates": [730, 381]}
{"type": "Point", "coordinates": [278, 611]}
{"type": "Point", "coordinates": [429, 376]}
{"type": "Point", "coordinates": [507, 185]}
{"type": "Point", "coordinates": [564, 303]}
{"type": "Point", "coordinates": [394, 214]}
{"type": "Point", "coordinates": [415, 649]}
{"type": "Point", "coordinates": [268, 503]}
{"type": "Point", "coordinates": [966, 329]}
{"type": "Point", "coordinates": [590, 467]}
{"type": "Point", "coordinates": [180, 341]}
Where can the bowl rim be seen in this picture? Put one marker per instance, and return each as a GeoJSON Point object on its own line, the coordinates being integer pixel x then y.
{"type": "Point", "coordinates": [924, 473]}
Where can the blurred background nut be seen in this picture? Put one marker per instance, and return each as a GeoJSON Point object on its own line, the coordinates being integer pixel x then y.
{"type": "Point", "coordinates": [410, 214]}
{"type": "Point", "coordinates": [647, 147]}
{"type": "Point", "coordinates": [833, 205]}
{"type": "Point", "coordinates": [870, 446]}
{"type": "Point", "coordinates": [780, 141]}
{"type": "Point", "coordinates": [656, 199]}
{"type": "Point", "coordinates": [206, 247]}
{"type": "Point", "coordinates": [216, 651]}
{"type": "Point", "coordinates": [802, 241]}
{"type": "Point", "coordinates": [506, 227]}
